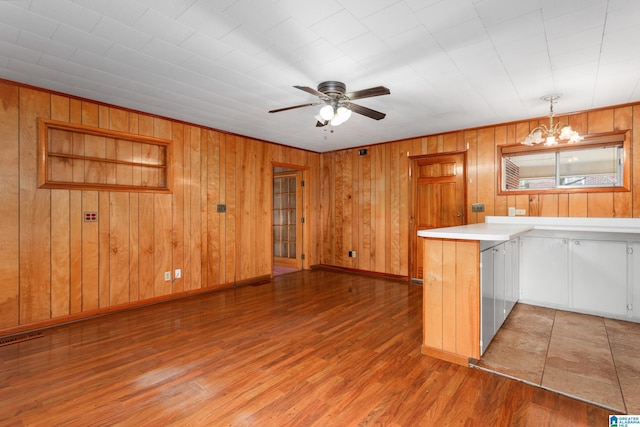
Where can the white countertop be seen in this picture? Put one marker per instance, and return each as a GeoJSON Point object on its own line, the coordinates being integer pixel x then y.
{"type": "Point", "coordinates": [482, 231]}
{"type": "Point", "coordinates": [501, 228]}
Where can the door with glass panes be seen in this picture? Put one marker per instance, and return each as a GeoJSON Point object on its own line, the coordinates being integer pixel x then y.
{"type": "Point", "coordinates": [287, 213]}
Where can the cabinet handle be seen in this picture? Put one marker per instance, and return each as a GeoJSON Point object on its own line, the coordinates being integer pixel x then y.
{"type": "Point", "coordinates": [564, 241]}
{"type": "Point", "coordinates": [577, 242]}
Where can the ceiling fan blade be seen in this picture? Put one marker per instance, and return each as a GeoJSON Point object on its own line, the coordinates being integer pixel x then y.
{"type": "Point", "coordinates": [376, 115]}
{"type": "Point", "coordinates": [368, 93]}
{"type": "Point", "coordinates": [295, 106]}
{"type": "Point", "coordinates": [312, 91]}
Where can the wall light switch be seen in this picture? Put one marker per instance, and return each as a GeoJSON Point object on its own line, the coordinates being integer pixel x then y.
{"type": "Point", "coordinates": [167, 276]}
{"type": "Point", "coordinates": [178, 273]}
{"type": "Point", "coordinates": [512, 211]}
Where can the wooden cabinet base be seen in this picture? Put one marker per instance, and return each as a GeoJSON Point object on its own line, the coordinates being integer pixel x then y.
{"type": "Point", "coordinates": [451, 308]}
{"type": "Point", "coordinates": [444, 355]}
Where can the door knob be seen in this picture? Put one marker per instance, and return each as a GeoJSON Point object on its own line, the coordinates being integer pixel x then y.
{"type": "Point", "coordinates": [458, 214]}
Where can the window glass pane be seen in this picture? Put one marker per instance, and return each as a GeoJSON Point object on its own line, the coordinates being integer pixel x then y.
{"type": "Point", "coordinates": [530, 171]}
{"type": "Point", "coordinates": [292, 233]}
{"type": "Point", "coordinates": [285, 234]}
{"type": "Point", "coordinates": [276, 249]}
{"type": "Point", "coordinates": [292, 201]}
{"type": "Point", "coordinates": [292, 217]}
{"type": "Point", "coordinates": [596, 167]}
{"type": "Point", "coordinates": [292, 250]}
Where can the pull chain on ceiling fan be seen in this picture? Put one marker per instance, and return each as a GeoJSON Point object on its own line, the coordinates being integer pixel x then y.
{"type": "Point", "coordinates": [336, 102]}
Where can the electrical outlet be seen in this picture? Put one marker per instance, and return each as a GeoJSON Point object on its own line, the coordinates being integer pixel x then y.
{"type": "Point", "coordinates": [167, 276]}
{"type": "Point", "coordinates": [352, 254]}
{"type": "Point", "coordinates": [521, 212]}
{"type": "Point", "coordinates": [477, 207]}
{"type": "Point", "coordinates": [178, 273]}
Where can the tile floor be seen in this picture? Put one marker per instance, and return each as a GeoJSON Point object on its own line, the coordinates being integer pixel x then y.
{"type": "Point", "coordinates": [587, 357]}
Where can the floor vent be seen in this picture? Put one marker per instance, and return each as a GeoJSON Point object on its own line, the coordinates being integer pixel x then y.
{"type": "Point", "coordinates": [20, 338]}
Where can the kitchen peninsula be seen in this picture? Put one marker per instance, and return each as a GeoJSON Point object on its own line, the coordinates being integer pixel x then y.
{"type": "Point", "coordinates": [474, 274]}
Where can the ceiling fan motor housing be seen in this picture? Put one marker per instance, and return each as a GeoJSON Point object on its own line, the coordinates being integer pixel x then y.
{"type": "Point", "coordinates": [332, 88]}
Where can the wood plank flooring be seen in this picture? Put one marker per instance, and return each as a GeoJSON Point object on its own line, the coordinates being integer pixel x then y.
{"type": "Point", "coordinates": [311, 348]}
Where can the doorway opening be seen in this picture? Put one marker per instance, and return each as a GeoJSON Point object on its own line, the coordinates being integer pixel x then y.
{"type": "Point", "coordinates": [287, 230]}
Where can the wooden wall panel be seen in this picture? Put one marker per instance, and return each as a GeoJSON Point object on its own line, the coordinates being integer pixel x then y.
{"type": "Point", "coordinates": [35, 210]}
{"type": "Point", "coordinates": [60, 224]}
{"type": "Point", "coordinates": [356, 202]}
{"type": "Point", "coordinates": [9, 204]}
{"type": "Point", "coordinates": [230, 201]}
{"type": "Point", "coordinates": [380, 227]}
{"type": "Point", "coordinates": [471, 142]}
{"type": "Point", "coordinates": [486, 172]}
{"type": "Point", "coordinates": [83, 268]}
{"type": "Point", "coordinates": [215, 223]}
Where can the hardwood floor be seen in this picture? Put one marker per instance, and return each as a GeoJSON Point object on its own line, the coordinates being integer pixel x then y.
{"type": "Point", "coordinates": [310, 348]}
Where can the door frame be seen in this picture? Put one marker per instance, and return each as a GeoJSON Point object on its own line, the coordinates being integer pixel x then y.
{"type": "Point", "coordinates": [412, 214]}
{"type": "Point", "coordinates": [304, 244]}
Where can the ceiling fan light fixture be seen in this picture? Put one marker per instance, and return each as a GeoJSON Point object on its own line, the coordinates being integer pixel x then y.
{"type": "Point", "coordinates": [327, 112]}
{"type": "Point", "coordinates": [344, 113]}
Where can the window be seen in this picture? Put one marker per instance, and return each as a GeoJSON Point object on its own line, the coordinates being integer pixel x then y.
{"type": "Point", "coordinates": [597, 164]}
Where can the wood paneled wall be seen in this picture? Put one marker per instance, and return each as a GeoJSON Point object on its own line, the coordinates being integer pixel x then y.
{"type": "Point", "coordinates": [366, 199]}
{"type": "Point", "coordinates": [55, 267]}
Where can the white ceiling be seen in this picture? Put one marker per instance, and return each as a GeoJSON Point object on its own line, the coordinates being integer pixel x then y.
{"type": "Point", "coordinates": [450, 64]}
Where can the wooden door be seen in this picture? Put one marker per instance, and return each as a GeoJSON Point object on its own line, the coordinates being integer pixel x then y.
{"type": "Point", "coordinates": [287, 219]}
{"type": "Point", "coordinates": [438, 198]}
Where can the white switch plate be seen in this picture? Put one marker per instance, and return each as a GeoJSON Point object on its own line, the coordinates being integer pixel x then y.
{"type": "Point", "coordinates": [512, 211]}
{"type": "Point", "coordinates": [178, 273]}
{"type": "Point", "coordinates": [167, 276]}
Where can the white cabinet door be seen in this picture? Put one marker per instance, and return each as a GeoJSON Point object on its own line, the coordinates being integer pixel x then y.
{"type": "Point", "coordinates": [599, 276]}
{"type": "Point", "coordinates": [499, 286]}
{"type": "Point", "coordinates": [511, 274]}
{"type": "Point", "coordinates": [487, 323]}
{"type": "Point", "coordinates": [544, 271]}
{"type": "Point", "coordinates": [634, 281]}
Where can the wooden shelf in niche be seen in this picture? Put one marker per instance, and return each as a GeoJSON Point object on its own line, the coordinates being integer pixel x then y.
{"type": "Point", "coordinates": [73, 156]}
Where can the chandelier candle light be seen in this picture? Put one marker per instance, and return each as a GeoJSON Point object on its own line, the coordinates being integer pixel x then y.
{"type": "Point", "coordinates": [555, 132]}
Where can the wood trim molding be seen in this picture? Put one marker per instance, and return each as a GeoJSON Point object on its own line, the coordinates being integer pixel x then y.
{"type": "Point", "coordinates": [63, 147]}
{"type": "Point", "coordinates": [363, 272]}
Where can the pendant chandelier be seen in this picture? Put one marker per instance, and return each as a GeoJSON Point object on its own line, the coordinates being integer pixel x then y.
{"type": "Point", "coordinates": [555, 132]}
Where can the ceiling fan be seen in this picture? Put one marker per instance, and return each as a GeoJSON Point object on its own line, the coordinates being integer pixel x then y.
{"type": "Point", "coordinates": [336, 102]}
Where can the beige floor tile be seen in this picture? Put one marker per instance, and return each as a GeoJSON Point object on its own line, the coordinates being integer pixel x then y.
{"type": "Point", "coordinates": [584, 387]}
{"type": "Point", "coordinates": [581, 326]}
{"type": "Point", "coordinates": [581, 357]}
{"type": "Point", "coordinates": [588, 357]}
{"type": "Point", "coordinates": [625, 344]}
